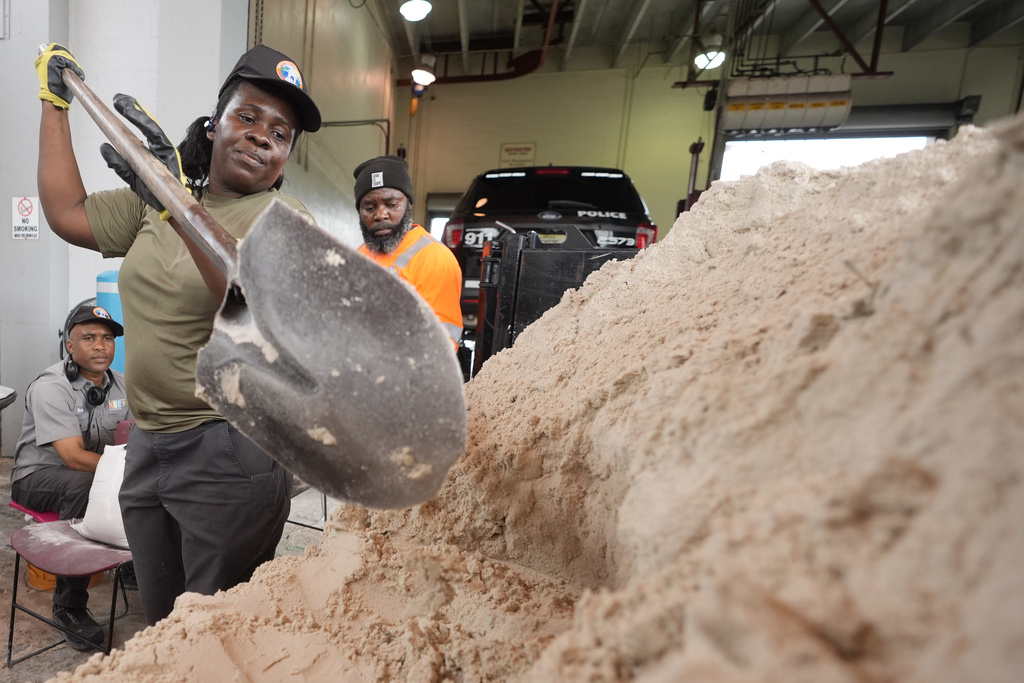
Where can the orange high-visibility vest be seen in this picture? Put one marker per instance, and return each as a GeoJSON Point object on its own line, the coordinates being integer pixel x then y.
{"type": "Point", "coordinates": [433, 271]}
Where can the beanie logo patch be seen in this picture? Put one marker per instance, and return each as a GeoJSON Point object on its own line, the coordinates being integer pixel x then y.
{"type": "Point", "coordinates": [287, 71]}
{"type": "Point", "coordinates": [377, 179]}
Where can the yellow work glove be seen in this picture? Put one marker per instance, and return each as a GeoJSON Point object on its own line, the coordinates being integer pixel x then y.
{"type": "Point", "coordinates": [52, 60]}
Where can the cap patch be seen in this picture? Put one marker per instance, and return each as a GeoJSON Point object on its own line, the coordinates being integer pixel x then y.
{"type": "Point", "coordinates": [287, 71]}
{"type": "Point", "coordinates": [377, 179]}
{"type": "Point", "coordinates": [101, 312]}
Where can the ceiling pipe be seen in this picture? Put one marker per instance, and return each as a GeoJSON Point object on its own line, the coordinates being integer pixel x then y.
{"type": "Point", "coordinates": [748, 21]}
{"type": "Point", "coordinates": [876, 47]}
{"type": "Point", "coordinates": [521, 66]}
{"type": "Point", "coordinates": [855, 77]}
{"type": "Point", "coordinates": [383, 124]}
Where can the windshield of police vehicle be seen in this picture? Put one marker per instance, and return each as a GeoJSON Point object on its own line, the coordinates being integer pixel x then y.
{"type": "Point", "coordinates": [518, 191]}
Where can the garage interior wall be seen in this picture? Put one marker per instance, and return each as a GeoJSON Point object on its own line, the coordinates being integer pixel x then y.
{"type": "Point", "coordinates": [347, 62]}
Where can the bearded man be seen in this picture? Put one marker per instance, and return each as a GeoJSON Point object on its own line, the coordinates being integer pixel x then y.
{"type": "Point", "coordinates": [384, 199]}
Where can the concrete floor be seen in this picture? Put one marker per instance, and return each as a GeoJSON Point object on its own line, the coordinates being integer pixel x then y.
{"type": "Point", "coordinates": [31, 634]}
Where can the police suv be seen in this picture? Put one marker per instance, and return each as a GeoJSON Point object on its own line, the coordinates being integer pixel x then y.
{"type": "Point", "coordinates": [601, 202]}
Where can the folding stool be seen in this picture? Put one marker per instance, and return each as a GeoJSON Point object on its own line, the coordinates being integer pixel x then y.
{"type": "Point", "coordinates": [35, 514]}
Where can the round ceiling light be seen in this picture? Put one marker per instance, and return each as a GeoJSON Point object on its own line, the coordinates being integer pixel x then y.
{"type": "Point", "coordinates": [415, 10]}
{"type": "Point", "coordinates": [709, 60]}
{"type": "Point", "coordinates": [423, 74]}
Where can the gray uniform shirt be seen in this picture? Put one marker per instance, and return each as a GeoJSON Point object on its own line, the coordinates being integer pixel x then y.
{"type": "Point", "coordinates": [56, 408]}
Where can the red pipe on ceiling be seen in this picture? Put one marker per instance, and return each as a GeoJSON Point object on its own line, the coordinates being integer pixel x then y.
{"type": "Point", "coordinates": [521, 66]}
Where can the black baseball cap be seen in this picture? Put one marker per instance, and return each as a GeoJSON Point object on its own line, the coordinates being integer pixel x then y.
{"type": "Point", "coordinates": [265, 65]}
{"type": "Point", "coordinates": [95, 314]}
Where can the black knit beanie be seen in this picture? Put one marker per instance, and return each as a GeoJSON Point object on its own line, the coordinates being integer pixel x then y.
{"type": "Point", "coordinates": [385, 171]}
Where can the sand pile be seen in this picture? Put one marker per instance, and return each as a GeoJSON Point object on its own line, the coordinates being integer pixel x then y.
{"type": "Point", "coordinates": [784, 444]}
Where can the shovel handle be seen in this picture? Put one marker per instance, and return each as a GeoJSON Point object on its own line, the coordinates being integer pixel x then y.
{"type": "Point", "coordinates": [199, 226]}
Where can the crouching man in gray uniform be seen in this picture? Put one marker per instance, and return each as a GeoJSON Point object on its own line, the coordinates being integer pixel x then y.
{"type": "Point", "coordinates": [71, 413]}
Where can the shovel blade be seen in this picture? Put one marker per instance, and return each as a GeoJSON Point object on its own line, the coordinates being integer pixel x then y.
{"type": "Point", "coordinates": [335, 367]}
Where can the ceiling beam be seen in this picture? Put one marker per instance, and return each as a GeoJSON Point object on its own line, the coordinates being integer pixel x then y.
{"type": "Point", "coordinates": [577, 20]}
{"type": "Point", "coordinates": [684, 37]}
{"type": "Point", "coordinates": [940, 16]}
{"type": "Point", "coordinates": [464, 35]}
{"type": "Point", "coordinates": [868, 23]}
{"type": "Point", "coordinates": [518, 33]}
{"type": "Point", "coordinates": [410, 34]}
{"type": "Point", "coordinates": [638, 14]}
{"type": "Point", "coordinates": [808, 23]}
{"type": "Point", "coordinates": [848, 46]}
{"type": "Point", "coordinates": [1006, 15]}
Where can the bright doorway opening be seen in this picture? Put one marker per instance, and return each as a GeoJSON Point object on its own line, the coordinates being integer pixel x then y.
{"type": "Point", "coordinates": [745, 157]}
{"type": "Point", "coordinates": [437, 224]}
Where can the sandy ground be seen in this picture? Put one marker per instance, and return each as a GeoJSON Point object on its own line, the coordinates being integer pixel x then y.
{"type": "Point", "coordinates": [784, 444]}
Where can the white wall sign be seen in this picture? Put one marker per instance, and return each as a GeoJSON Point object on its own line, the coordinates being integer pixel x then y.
{"type": "Point", "coordinates": [25, 218]}
{"type": "Point", "coordinates": [516, 154]}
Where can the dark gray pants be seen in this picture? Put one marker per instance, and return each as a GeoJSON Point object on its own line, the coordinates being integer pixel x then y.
{"type": "Point", "coordinates": [202, 509]}
{"type": "Point", "coordinates": [58, 489]}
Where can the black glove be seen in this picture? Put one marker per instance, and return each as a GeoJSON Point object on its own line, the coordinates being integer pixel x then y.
{"type": "Point", "coordinates": [52, 60]}
{"type": "Point", "coordinates": [159, 145]}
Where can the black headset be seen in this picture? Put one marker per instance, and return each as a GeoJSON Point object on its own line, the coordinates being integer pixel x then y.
{"type": "Point", "coordinates": [94, 395]}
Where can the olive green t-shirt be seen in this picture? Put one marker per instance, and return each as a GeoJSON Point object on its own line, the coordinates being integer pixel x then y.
{"type": "Point", "coordinates": [168, 311]}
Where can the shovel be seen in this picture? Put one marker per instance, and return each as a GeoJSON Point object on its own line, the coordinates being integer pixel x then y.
{"type": "Point", "coordinates": [333, 366]}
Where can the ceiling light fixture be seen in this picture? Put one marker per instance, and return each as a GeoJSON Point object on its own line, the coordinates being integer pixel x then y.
{"type": "Point", "coordinates": [423, 74]}
{"type": "Point", "coordinates": [709, 60]}
{"type": "Point", "coordinates": [709, 52]}
{"type": "Point", "coordinates": [415, 10]}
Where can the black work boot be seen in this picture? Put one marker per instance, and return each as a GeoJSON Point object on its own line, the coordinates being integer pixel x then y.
{"type": "Point", "coordinates": [81, 624]}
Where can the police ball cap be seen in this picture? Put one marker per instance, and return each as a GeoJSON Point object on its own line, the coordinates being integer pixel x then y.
{"type": "Point", "coordinates": [265, 66]}
{"type": "Point", "coordinates": [383, 171]}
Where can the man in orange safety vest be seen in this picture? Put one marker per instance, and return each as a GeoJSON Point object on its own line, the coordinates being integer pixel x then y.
{"type": "Point", "coordinates": [384, 199]}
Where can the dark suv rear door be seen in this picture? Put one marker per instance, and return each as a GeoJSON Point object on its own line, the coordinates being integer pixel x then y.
{"type": "Point", "coordinates": [601, 203]}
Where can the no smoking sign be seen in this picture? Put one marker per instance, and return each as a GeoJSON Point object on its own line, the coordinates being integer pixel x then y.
{"type": "Point", "coordinates": [25, 218]}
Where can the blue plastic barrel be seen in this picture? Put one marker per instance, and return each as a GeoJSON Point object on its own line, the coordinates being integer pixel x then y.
{"type": "Point", "coordinates": [109, 298]}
